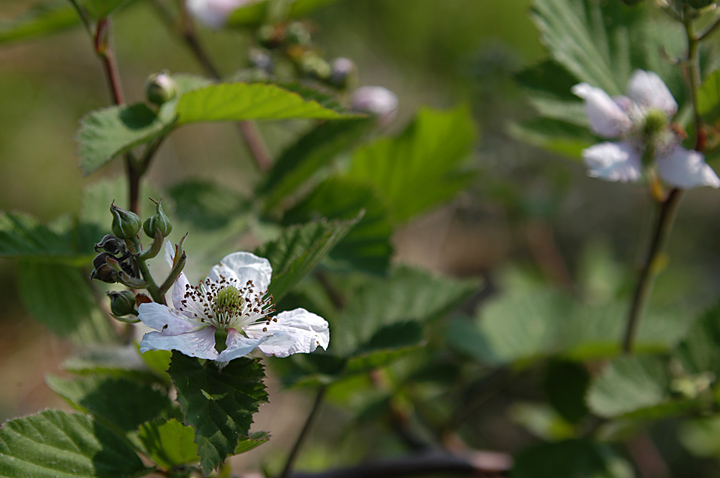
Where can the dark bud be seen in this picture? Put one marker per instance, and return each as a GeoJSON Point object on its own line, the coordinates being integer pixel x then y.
{"type": "Point", "coordinates": [125, 224]}
{"type": "Point", "coordinates": [105, 268]}
{"type": "Point", "coordinates": [122, 303]}
{"type": "Point", "coordinates": [158, 222]}
{"type": "Point", "coordinates": [270, 36]}
{"type": "Point", "coordinates": [160, 88]}
{"type": "Point", "coordinates": [297, 34]}
{"type": "Point", "coordinates": [342, 71]}
{"type": "Point", "coordinates": [111, 244]}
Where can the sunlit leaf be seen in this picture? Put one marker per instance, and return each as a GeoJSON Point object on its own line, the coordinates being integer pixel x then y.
{"type": "Point", "coordinates": [422, 167]}
{"type": "Point", "coordinates": [55, 444]}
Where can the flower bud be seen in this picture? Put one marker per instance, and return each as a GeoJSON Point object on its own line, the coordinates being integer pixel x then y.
{"type": "Point", "coordinates": [314, 66]}
{"type": "Point", "coordinates": [297, 34]}
{"type": "Point", "coordinates": [261, 60]}
{"type": "Point", "coordinates": [105, 268]}
{"type": "Point", "coordinates": [376, 100]}
{"type": "Point", "coordinates": [126, 224]}
{"type": "Point", "coordinates": [111, 244]}
{"type": "Point", "coordinates": [160, 88]}
{"type": "Point", "coordinates": [122, 303]}
{"type": "Point", "coordinates": [270, 36]}
{"type": "Point", "coordinates": [342, 71]}
{"type": "Point", "coordinates": [158, 222]}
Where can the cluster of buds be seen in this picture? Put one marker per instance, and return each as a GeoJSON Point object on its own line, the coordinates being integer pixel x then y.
{"type": "Point", "coordinates": [293, 42]}
{"type": "Point", "coordinates": [121, 257]}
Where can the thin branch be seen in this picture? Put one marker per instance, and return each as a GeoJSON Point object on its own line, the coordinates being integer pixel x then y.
{"type": "Point", "coordinates": [643, 288]}
{"type": "Point", "coordinates": [287, 470]}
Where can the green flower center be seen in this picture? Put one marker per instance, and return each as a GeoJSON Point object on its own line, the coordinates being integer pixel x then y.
{"type": "Point", "coordinates": [656, 121]}
{"type": "Point", "coordinates": [227, 299]}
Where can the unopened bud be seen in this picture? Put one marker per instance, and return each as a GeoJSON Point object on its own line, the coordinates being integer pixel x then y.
{"type": "Point", "coordinates": [297, 34]}
{"type": "Point", "coordinates": [126, 224]}
{"type": "Point", "coordinates": [270, 36]}
{"type": "Point", "coordinates": [261, 60]}
{"type": "Point", "coordinates": [376, 100]}
{"type": "Point", "coordinates": [160, 88]}
{"type": "Point", "coordinates": [111, 244]}
{"type": "Point", "coordinates": [342, 71]}
{"type": "Point", "coordinates": [158, 222]}
{"type": "Point", "coordinates": [105, 268]}
{"type": "Point", "coordinates": [122, 303]}
{"type": "Point", "coordinates": [314, 66]}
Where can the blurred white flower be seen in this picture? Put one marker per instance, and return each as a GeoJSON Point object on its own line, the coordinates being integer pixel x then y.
{"type": "Point", "coordinates": [641, 119]}
{"type": "Point", "coordinates": [376, 100]}
{"type": "Point", "coordinates": [233, 299]}
{"type": "Point", "coordinates": [214, 13]}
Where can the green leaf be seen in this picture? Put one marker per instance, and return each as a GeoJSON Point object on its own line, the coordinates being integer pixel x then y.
{"type": "Point", "coordinates": [535, 324]}
{"type": "Point", "coordinates": [549, 85]}
{"type": "Point", "coordinates": [218, 404]}
{"type": "Point", "coordinates": [633, 385]}
{"type": "Point", "coordinates": [113, 361]}
{"type": "Point", "coordinates": [60, 297]}
{"type": "Point", "coordinates": [566, 384]}
{"type": "Point", "coordinates": [256, 13]}
{"type": "Point", "coordinates": [408, 295]}
{"type": "Point", "coordinates": [419, 169]}
{"type": "Point", "coordinates": [109, 132]}
{"type": "Point", "coordinates": [39, 20]}
{"type": "Point", "coordinates": [251, 442]}
{"type": "Point", "coordinates": [699, 351]}
{"type": "Point", "coordinates": [571, 459]}
{"type": "Point", "coordinates": [21, 237]}
{"type": "Point", "coordinates": [206, 205]}
{"type": "Point", "coordinates": [313, 151]}
{"type": "Point", "coordinates": [168, 443]}
{"type": "Point", "coordinates": [591, 42]}
{"type": "Point", "coordinates": [367, 246]}
{"type": "Point", "coordinates": [709, 97]}
{"type": "Point", "coordinates": [553, 135]}
{"type": "Point", "coordinates": [299, 249]}
{"type": "Point", "coordinates": [250, 101]}
{"type": "Point", "coordinates": [118, 401]}
{"type": "Point", "coordinates": [55, 444]}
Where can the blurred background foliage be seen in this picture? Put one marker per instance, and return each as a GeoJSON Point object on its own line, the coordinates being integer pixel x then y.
{"type": "Point", "coordinates": [529, 219]}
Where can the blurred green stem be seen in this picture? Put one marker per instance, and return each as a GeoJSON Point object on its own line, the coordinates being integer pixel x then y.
{"type": "Point", "coordinates": [643, 288]}
{"type": "Point", "coordinates": [303, 433]}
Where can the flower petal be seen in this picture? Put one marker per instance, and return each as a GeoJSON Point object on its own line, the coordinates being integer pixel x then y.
{"type": "Point", "coordinates": [161, 318]}
{"type": "Point", "coordinates": [214, 13]}
{"type": "Point", "coordinates": [607, 119]}
{"type": "Point", "coordinates": [648, 90]}
{"type": "Point", "coordinates": [296, 331]}
{"type": "Point", "coordinates": [238, 346]}
{"type": "Point", "coordinates": [686, 169]}
{"type": "Point", "coordinates": [613, 162]}
{"type": "Point", "coordinates": [244, 267]}
{"type": "Point", "coordinates": [199, 344]}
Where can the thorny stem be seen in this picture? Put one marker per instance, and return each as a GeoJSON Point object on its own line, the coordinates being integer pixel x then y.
{"type": "Point", "coordinates": [248, 129]}
{"type": "Point", "coordinates": [287, 470]}
{"type": "Point", "coordinates": [668, 207]}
